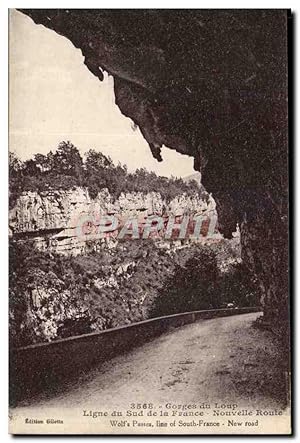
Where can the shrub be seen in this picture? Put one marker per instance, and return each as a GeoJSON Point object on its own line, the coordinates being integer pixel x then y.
{"type": "Point", "coordinates": [200, 285]}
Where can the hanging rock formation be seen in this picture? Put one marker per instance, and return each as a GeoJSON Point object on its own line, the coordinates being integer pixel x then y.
{"type": "Point", "coordinates": [211, 84]}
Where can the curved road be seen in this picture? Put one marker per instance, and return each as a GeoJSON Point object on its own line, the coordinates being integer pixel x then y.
{"type": "Point", "coordinates": [219, 360]}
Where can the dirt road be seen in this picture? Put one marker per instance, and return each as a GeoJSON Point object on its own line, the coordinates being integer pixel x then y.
{"type": "Point", "coordinates": [218, 360]}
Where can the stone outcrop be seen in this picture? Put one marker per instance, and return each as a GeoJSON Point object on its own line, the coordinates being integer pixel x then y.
{"type": "Point", "coordinates": [64, 221]}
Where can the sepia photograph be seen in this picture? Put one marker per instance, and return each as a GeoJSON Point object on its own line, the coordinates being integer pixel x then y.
{"type": "Point", "coordinates": [149, 287]}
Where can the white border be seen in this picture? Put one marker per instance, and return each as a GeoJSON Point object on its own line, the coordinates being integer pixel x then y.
{"type": "Point", "coordinates": [294, 5]}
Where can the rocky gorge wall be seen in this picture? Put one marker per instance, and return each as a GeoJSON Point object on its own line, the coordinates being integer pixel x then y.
{"type": "Point", "coordinates": [66, 280]}
{"type": "Point", "coordinates": [67, 222]}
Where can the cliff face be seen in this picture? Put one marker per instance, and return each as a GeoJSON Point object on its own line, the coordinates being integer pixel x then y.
{"type": "Point", "coordinates": [99, 283]}
{"type": "Point", "coordinates": [66, 222]}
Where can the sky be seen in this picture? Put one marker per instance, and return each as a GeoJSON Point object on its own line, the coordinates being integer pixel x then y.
{"type": "Point", "coordinates": [54, 97]}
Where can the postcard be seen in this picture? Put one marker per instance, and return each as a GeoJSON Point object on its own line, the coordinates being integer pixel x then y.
{"type": "Point", "coordinates": [149, 221]}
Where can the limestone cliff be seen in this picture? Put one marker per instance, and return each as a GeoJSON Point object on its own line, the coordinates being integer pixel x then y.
{"type": "Point", "coordinates": [66, 281]}
{"type": "Point", "coordinates": [57, 219]}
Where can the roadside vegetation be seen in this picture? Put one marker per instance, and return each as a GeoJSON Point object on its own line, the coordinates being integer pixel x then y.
{"type": "Point", "coordinates": [199, 284]}
{"type": "Point", "coordinates": [53, 296]}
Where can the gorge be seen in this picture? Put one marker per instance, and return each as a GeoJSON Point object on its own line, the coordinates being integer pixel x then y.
{"type": "Point", "coordinates": [217, 103]}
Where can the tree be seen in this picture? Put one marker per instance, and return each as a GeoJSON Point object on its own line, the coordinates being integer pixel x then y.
{"type": "Point", "coordinates": [42, 162]}
{"type": "Point", "coordinates": [96, 161]}
{"type": "Point", "coordinates": [192, 287]}
{"type": "Point", "coordinates": [100, 172]}
{"type": "Point", "coordinates": [31, 169]}
{"type": "Point", "coordinates": [67, 160]}
{"type": "Point", "coordinates": [15, 165]}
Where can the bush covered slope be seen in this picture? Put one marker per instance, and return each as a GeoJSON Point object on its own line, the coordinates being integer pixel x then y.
{"type": "Point", "coordinates": [54, 296]}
